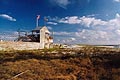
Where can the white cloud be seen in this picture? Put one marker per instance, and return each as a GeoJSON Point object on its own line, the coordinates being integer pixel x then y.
{"type": "Point", "coordinates": [70, 20]}
{"type": "Point", "coordinates": [67, 40]}
{"type": "Point", "coordinates": [92, 22]}
{"type": "Point", "coordinates": [99, 31]}
{"type": "Point", "coordinates": [49, 27]}
{"type": "Point", "coordinates": [92, 15]}
{"type": "Point", "coordinates": [53, 23]}
{"type": "Point", "coordinates": [7, 17]}
{"type": "Point", "coordinates": [73, 39]}
{"type": "Point", "coordinates": [118, 32]}
{"type": "Point", "coordinates": [89, 22]}
{"type": "Point", "coordinates": [117, 15]}
{"type": "Point", "coordinates": [53, 19]}
{"type": "Point", "coordinates": [87, 36]}
{"type": "Point", "coordinates": [92, 34]}
{"type": "Point", "coordinates": [60, 3]}
{"type": "Point", "coordinates": [86, 21]}
{"type": "Point", "coordinates": [117, 0]}
{"type": "Point", "coordinates": [9, 35]}
{"type": "Point", "coordinates": [62, 33]}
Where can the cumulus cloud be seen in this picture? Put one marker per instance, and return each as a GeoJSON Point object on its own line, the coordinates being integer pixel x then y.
{"type": "Point", "coordinates": [117, 0]}
{"type": "Point", "coordinates": [73, 39]}
{"type": "Point", "coordinates": [86, 21]}
{"type": "Point", "coordinates": [52, 23]}
{"type": "Point", "coordinates": [88, 37]}
{"type": "Point", "coordinates": [118, 32]}
{"type": "Point", "coordinates": [50, 28]}
{"type": "Point", "coordinates": [60, 3]}
{"type": "Point", "coordinates": [70, 20]}
{"type": "Point", "coordinates": [9, 35]}
{"type": "Point", "coordinates": [69, 40]}
{"type": "Point", "coordinates": [92, 34]}
{"type": "Point", "coordinates": [98, 32]}
{"type": "Point", "coordinates": [5, 16]}
{"type": "Point", "coordinates": [97, 37]}
{"type": "Point", "coordinates": [92, 22]}
{"type": "Point", "coordinates": [62, 33]}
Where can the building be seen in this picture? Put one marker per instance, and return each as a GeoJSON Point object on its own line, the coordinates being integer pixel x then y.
{"type": "Point", "coordinates": [39, 34]}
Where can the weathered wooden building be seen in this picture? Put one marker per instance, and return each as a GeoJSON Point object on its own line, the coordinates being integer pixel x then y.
{"type": "Point", "coordinates": [39, 34]}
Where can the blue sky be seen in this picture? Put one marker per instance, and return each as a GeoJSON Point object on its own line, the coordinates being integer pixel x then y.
{"type": "Point", "coordinates": [73, 21]}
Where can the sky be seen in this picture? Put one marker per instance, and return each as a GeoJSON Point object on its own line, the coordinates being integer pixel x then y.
{"type": "Point", "coordinates": [71, 21]}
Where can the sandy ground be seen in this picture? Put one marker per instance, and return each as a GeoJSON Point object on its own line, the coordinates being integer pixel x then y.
{"type": "Point", "coordinates": [8, 45]}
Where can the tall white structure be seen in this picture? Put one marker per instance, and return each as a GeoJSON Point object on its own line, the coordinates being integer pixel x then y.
{"type": "Point", "coordinates": [45, 39]}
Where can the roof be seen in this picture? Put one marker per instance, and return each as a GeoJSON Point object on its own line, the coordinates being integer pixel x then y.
{"type": "Point", "coordinates": [45, 29]}
{"type": "Point", "coordinates": [37, 29]}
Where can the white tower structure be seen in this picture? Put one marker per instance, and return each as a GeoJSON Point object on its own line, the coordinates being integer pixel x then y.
{"type": "Point", "coordinates": [45, 39]}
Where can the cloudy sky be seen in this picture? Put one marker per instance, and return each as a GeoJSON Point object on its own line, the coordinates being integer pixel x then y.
{"type": "Point", "coordinates": [73, 21]}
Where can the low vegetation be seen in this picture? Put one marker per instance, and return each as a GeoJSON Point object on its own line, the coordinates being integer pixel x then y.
{"type": "Point", "coordinates": [86, 63]}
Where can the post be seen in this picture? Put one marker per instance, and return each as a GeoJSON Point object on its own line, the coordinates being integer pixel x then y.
{"type": "Point", "coordinates": [37, 20]}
